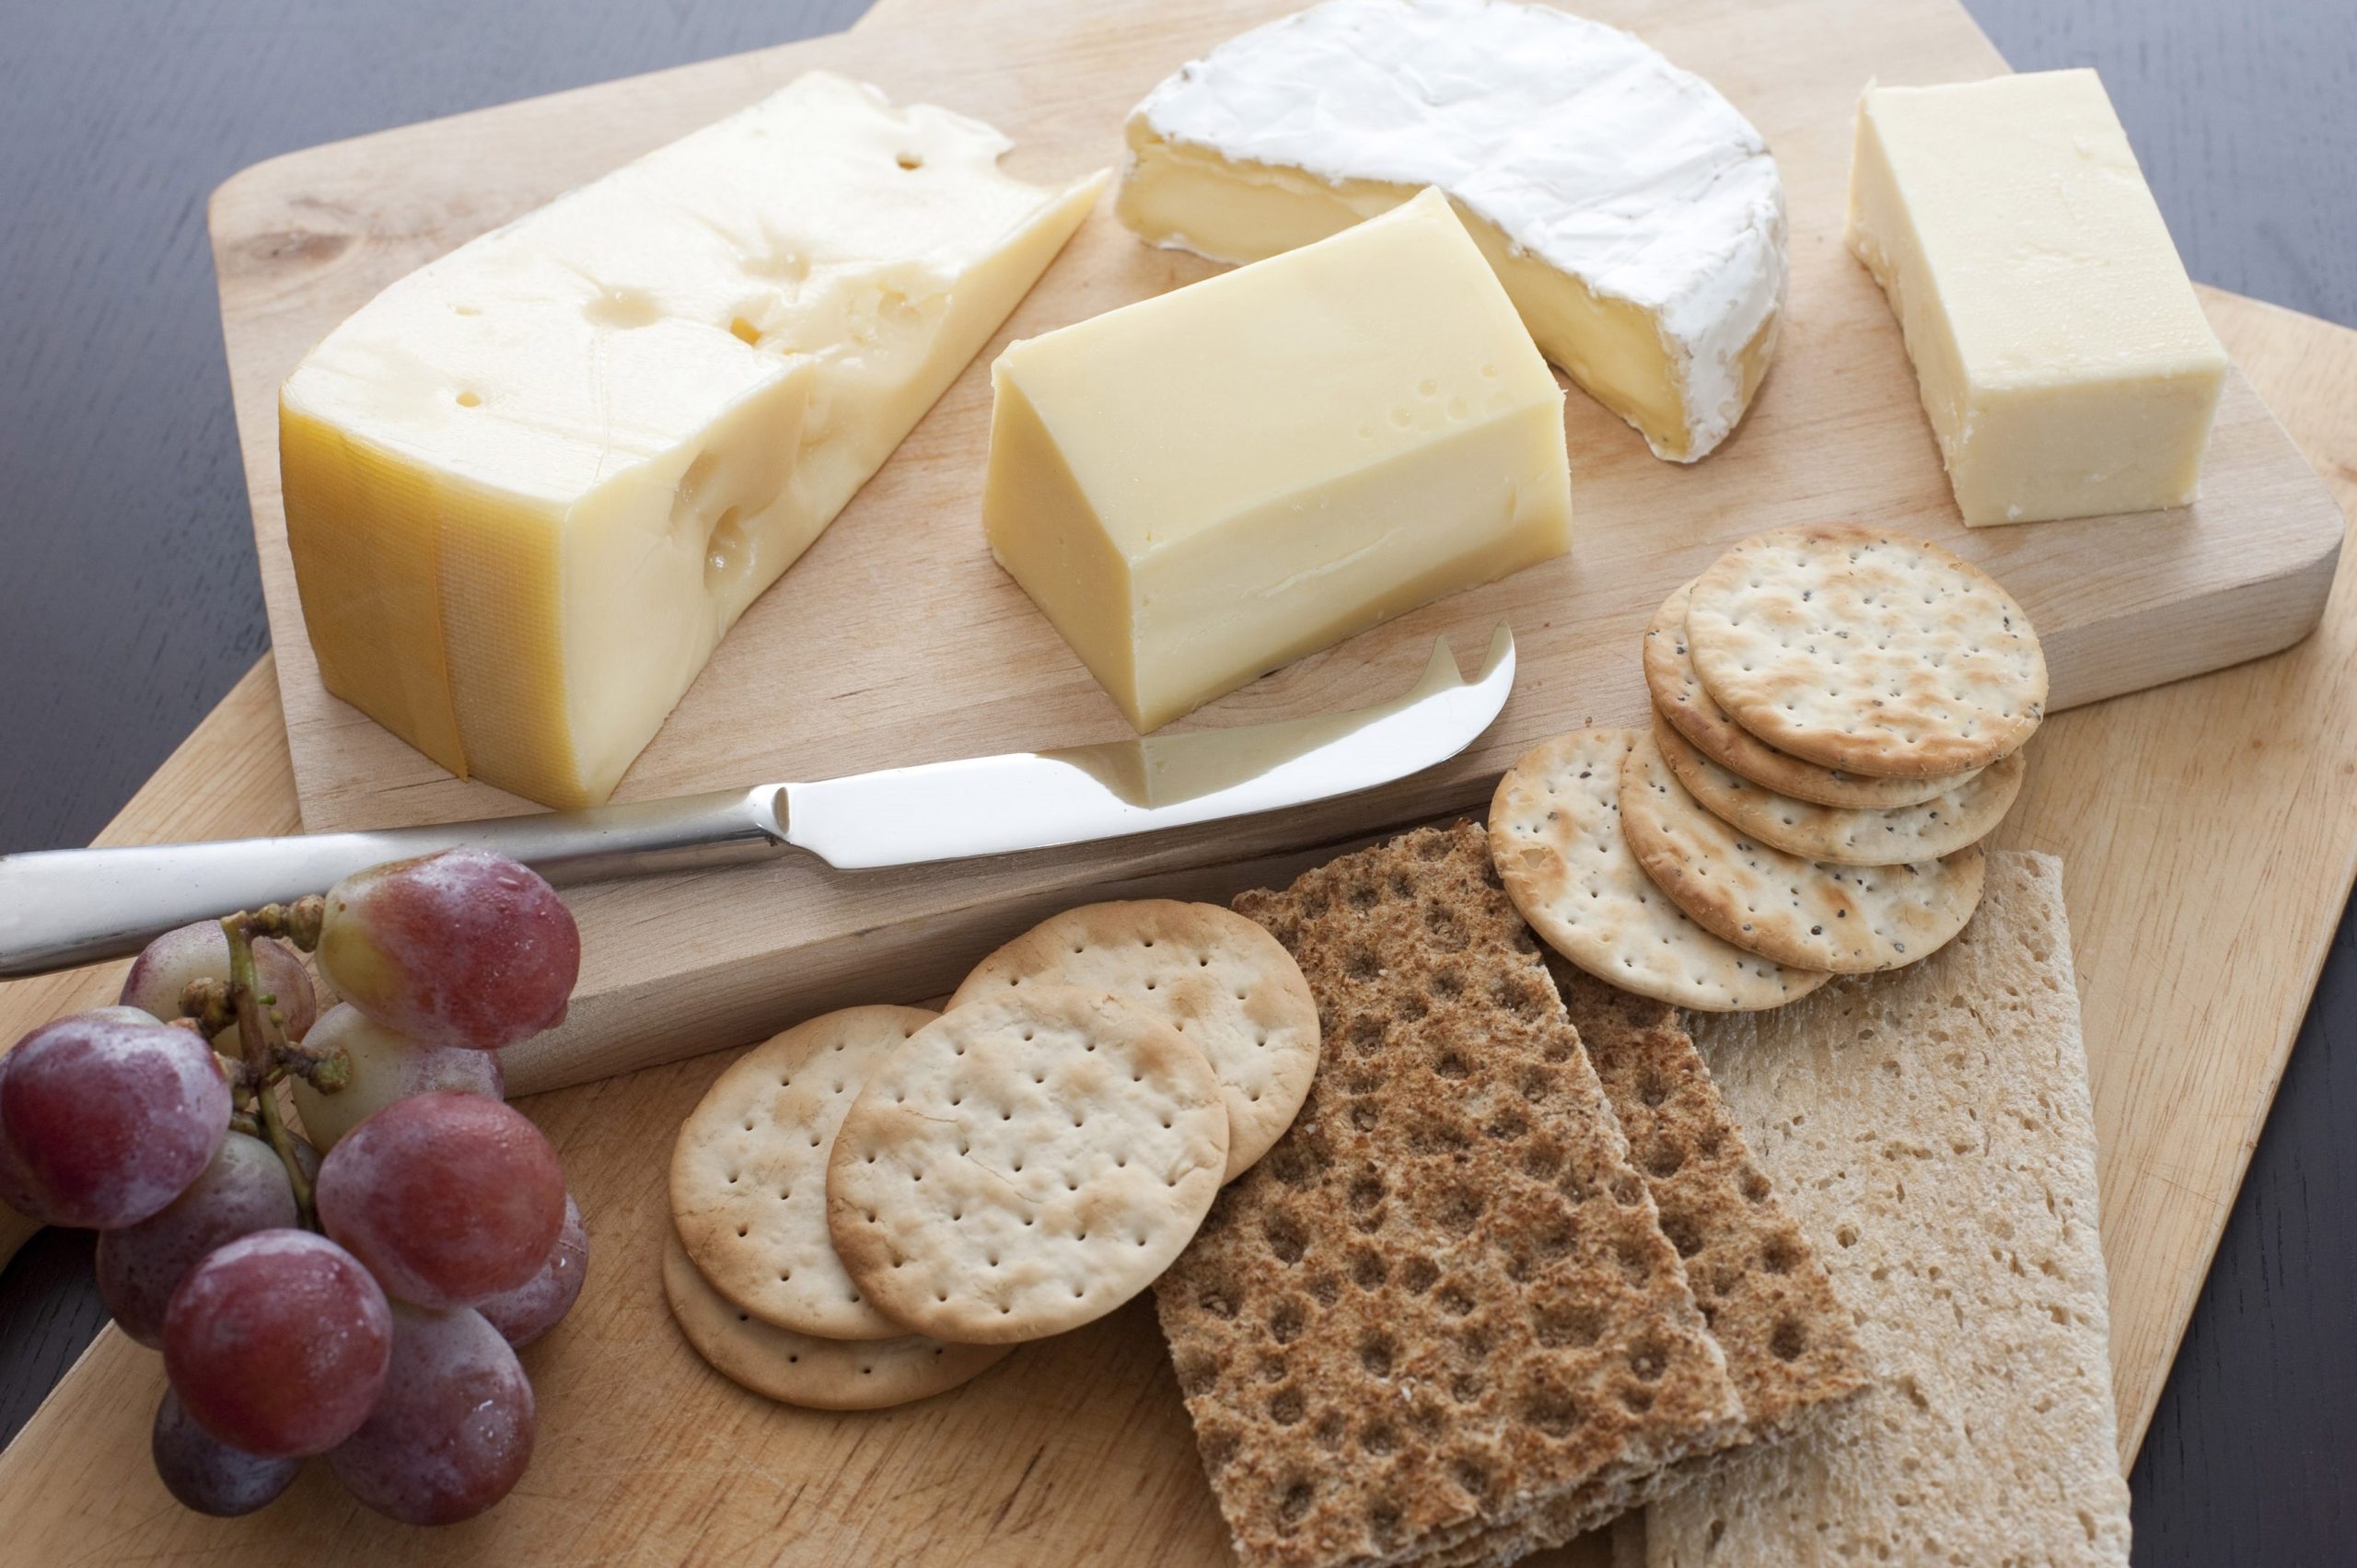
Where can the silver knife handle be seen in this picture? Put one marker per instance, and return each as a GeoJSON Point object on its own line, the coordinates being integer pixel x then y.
{"type": "Point", "coordinates": [74, 906]}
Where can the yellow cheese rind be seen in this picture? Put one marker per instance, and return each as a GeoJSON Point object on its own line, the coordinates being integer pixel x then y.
{"type": "Point", "coordinates": [2064, 364]}
{"type": "Point", "coordinates": [1200, 487]}
{"type": "Point", "coordinates": [530, 486]}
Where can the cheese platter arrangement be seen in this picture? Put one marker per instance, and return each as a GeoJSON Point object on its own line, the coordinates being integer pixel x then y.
{"type": "Point", "coordinates": [1639, 1146]}
{"type": "Point", "coordinates": [834, 671]}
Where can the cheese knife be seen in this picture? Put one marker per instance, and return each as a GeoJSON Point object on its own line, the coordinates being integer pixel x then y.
{"type": "Point", "coordinates": [60, 908]}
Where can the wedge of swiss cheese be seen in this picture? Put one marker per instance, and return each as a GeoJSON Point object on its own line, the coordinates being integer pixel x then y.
{"type": "Point", "coordinates": [531, 485]}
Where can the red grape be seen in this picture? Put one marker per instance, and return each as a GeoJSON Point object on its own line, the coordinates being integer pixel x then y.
{"type": "Point", "coordinates": [386, 1066]}
{"type": "Point", "coordinates": [107, 1120]}
{"type": "Point", "coordinates": [532, 1309]}
{"type": "Point", "coordinates": [208, 1475]}
{"type": "Point", "coordinates": [447, 1198]}
{"type": "Point", "coordinates": [243, 1190]}
{"type": "Point", "coordinates": [165, 967]}
{"type": "Point", "coordinates": [463, 949]}
{"type": "Point", "coordinates": [454, 1430]}
{"type": "Point", "coordinates": [277, 1343]}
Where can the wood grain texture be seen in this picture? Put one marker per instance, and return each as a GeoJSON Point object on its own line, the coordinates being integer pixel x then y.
{"type": "Point", "coordinates": [804, 688]}
{"type": "Point", "coordinates": [118, 453]}
{"type": "Point", "coordinates": [2206, 842]}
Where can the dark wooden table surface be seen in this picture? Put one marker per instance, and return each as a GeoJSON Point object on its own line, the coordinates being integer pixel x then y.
{"type": "Point", "coordinates": [129, 603]}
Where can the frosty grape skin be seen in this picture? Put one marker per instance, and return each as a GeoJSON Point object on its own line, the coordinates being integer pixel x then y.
{"type": "Point", "coordinates": [463, 949]}
{"type": "Point", "coordinates": [447, 1198]}
{"type": "Point", "coordinates": [540, 1303]}
{"type": "Point", "coordinates": [244, 1189]}
{"type": "Point", "coordinates": [107, 1120]}
{"type": "Point", "coordinates": [454, 1428]}
{"type": "Point", "coordinates": [277, 1343]}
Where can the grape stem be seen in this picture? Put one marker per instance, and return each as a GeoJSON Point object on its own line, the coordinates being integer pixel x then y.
{"type": "Point", "coordinates": [263, 1043]}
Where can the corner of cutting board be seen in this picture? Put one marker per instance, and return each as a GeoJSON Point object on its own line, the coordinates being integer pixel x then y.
{"type": "Point", "coordinates": [221, 206]}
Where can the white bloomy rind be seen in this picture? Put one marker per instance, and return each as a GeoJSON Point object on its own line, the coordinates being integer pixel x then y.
{"type": "Point", "coordinates": [1580, 143]}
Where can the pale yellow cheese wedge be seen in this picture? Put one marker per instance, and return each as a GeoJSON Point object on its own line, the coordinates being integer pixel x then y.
{"type": "Point", "coordinates": [1197, 488]}
{"type": "Point", "coordinates": [530, 486]}
{"type": "Point", "coordinates": [2065, 365]}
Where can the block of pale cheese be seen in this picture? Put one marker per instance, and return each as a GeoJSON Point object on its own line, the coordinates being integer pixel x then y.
{"type": "Point", "coordinates": [529, 486]}
{"type": "Point", "coordinates": [2064, 362]}
{"type": "Point", "coordinates": [1200, 487]}
{"type": "Point", "coordinates": [1633, 213]}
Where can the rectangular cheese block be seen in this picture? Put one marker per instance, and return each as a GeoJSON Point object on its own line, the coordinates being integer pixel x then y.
{"type": "Point", "coordinates": [2064, 362]}
{"type": "Point", "coordinates": [530, 486]}
{"type": "Point", "coordinates": [1200, 487]}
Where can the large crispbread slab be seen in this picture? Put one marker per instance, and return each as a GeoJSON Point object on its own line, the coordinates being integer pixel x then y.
{"type": "Point", "coordinates": [749, 1173]}
{"type": "Point", "coordinates": [1933, 1133]}
{"type": "Point", "coordinates": [1866, 651]}
{"type": "Point", "coordinates": [1024, 1165]}
{"type": "Point", "coordinates": [1899, 836]}
{"type": "Point", "coordinates": [1849, 919]}
{"type": "Point", "coordinates": [1443, 1298]}
{"type": "Point", "coordinates": [1678, 696]}
{"type": "Point", "coordinates": [1555, 838]}
{"type": "Point", "coordinates": [802, 1369]}
{"type": "Point", "coordinates": [1790, 1344]}
{"type": "Point", "coordinates": [1210, 973]}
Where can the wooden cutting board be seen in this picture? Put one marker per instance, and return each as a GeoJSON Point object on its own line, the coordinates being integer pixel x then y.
{"type": "Point", "coordinates": [897, 641]}
{"type": "Point", "coordinates": [2208, 850]}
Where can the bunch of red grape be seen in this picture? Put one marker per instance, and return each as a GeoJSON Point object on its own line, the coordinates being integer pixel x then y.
{"type": "Point", "coordinates": [356, 1288]}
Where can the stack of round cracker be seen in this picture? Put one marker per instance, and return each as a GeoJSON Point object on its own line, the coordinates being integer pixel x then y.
{"type": "Point", "coordinates": [1839, 715]}
{"type": "Point", "coordinates": [879, 1203]}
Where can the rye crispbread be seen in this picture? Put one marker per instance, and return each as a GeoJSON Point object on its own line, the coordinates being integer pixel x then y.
{"type": "Point", "coordinates": [1790, 1344]}
{"type": "Point", "coordinates": [1444, 1299]}
{"type": "Point", "coordinates": [1849, 919]}
{"type": "Point", "coordinates": [1901, 835]}
{"type": "Point", "coordinates": [1678, 697]}
{"type": "Point", "coordinates": [1024, 1165]}
{"type": "Point", "coordinates": [1555, 838]}
{"type": "Point", "coordinates": [802, 1370]}
{"type": "Point", "coordinates": [1932, 1132]}
{"type": "Point", "coordinates": [1867, 651]}
{"type": "Point", "coordinates": [748, 1172]}
{"type": "Point", "coordinates": [1209, 972]}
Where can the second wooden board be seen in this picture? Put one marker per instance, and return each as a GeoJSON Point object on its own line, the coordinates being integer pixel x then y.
{"type": "Point", "coordinates": [896, 640]}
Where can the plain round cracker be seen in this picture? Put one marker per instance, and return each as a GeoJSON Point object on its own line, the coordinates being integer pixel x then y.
{"type": "Point", "coordinates": [1212, 975]}
{"type": "Point", "coordinates": [1849, 919]}
{"type": "Point", "coordinates": [1024, 1164]}
{"type": "Point", "coordinates": [802, 1370]}
{"type": "Point", "coordinates": [1901, 836]}
{"type": "Point", "coordinates": [1678, 696]}
{"type": "Point", "coordinates": [748, 1172]}
{"type": "Point", "coordinates": [1555, 839]}
{"type": "Point", "coordinates": [1866, 651]}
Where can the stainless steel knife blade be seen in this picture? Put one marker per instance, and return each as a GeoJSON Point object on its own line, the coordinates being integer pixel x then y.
{"type": "Point", "coordinates": [65, 907]}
